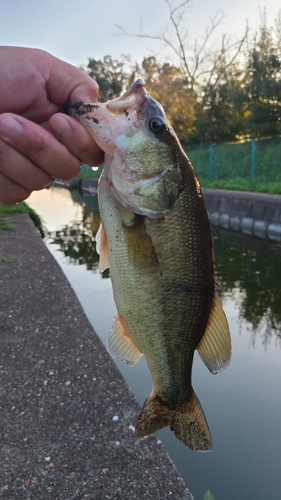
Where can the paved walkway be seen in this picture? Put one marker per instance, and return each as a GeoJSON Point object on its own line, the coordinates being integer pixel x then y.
{"type": "Point", "coordinates": [66, 414]}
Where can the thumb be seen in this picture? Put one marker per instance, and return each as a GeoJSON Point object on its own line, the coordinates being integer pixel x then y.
{"type": "Point", "coordinates": [66, 82]}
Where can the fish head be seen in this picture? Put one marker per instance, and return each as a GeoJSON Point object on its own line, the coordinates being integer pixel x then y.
{"type": "Point", "coordinates": [143, 171]}
{"type": "Point", "coordinates": [106, 121]}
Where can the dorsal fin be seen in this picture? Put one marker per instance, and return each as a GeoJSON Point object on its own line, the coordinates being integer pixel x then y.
{"type": "Point", "coordinates": [102, 249]}
{"type": "Point", "coordinates": [215, 346]}
{"type": "Point", "coordinates": [120, 345]}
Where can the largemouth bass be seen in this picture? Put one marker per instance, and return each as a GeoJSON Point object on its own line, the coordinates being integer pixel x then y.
{"type": "Point", "coordinates": [156, 239]}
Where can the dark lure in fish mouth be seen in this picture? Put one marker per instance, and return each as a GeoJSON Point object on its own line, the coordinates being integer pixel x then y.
{"type": "Point", "coordinates": [79, 108]}
{"type": "Point", "coordinates": [135, 94]}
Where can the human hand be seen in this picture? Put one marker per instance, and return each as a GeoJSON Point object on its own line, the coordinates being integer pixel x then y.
{"type": "Point", "coordinates": [37, 142]}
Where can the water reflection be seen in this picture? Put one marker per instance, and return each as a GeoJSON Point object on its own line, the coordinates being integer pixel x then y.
{"type": "Point", "coordinates": [249, 271]}
{"type": "Point", "coordinates": [257, 264]}
{"type": "Point", "coordinates": [243, 404]}
{"type": "Point", "coordinates": [77, 239]}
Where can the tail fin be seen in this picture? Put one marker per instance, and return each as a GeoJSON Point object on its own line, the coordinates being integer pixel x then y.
{"type": "Point", "coordinates": [187, 421]}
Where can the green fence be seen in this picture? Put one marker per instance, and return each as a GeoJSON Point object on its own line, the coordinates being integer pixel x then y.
{"type": "Point", "coordinates": [253, 164]}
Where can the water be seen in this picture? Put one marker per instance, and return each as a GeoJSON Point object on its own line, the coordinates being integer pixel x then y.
{"type": "Point", "coordinates": [242, 404]}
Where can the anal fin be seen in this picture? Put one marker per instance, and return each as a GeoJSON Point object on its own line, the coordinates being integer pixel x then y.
{"type": "Point", "coordinates": [120, 345]}
{"type": "Point", "coordinates": [215, 346]}
{"type": "Point", "coordinates": [102, 249]}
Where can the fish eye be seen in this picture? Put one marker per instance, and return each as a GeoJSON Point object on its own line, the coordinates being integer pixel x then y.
{"type": "Point", "coordinates": [156, 125]}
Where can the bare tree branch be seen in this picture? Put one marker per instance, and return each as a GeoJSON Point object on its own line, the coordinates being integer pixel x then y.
{"type": "Point", "coordinates": [200, 59]}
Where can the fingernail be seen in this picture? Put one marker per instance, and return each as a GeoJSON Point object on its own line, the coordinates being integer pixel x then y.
{"type": "Point", "coordinates": [49, 183]}
{"type": "Point", "coordinates": [27, 194]}
{"type": "Point", "coordinates": [9, 128]}
{"type": "Point", "coordinates": [61, 126]}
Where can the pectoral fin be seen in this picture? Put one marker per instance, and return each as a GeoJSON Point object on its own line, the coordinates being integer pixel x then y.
{"type": "Point", "coordinates": [102, 249]}
{"type": "Point", "coordinates": [215, 346]}
{"type": "Point", "coordinates": [120, 345]}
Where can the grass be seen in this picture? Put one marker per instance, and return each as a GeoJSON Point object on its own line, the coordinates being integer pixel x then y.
{"type": "Point", "coordinates": [4, 224]}
{"type": "Point", "coordinates": [232, 165]}
{"type": "Point", "coordinates": [240, 184]}
{"type": "Point", "coordinates": [6, 260]}
{"type": "Point", "coordinates": [23, 208]}
{"type": "Point", "coordinates": [86, 172]}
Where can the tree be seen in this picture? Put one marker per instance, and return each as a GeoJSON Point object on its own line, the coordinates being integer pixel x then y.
{"type": "Point", "coordinates": [263, 90]}
{"type": "Point", "coordinates": [110, 75]}
{"type": "Point", "coordinates": [220, 111]}
{"type": "Point", "coordinates": [199, 61]}
{"type": "Point", "coordinates": [165, 82]}
{"type": "Point", "coordinates": [168, 85]}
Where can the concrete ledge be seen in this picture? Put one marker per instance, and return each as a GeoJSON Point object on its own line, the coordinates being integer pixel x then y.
{"type": "Point", "coordinates": [256, 214]}
{"type": "Point", "coordinates": [61, 394]}
{"type": "Point", "coordinates": [274, 232]}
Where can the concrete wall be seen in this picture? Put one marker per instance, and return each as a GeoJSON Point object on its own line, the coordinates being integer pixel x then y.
{"type": "Point", "coordinates": [256, 214]}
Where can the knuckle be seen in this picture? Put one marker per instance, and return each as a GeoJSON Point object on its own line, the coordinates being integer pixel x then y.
{"type": "Point", "coordinates": [40, 145]}
{"type": "Point", "coordinates": [70, 170]}
{"type": "Point", "coordinates": [18, 194]}
{"type": "Point", "coordinates": [39, 180]}
{"type": "Point", "coordinates": [5, 149]}
{"type": "Point", "coordinates": [15, 194]}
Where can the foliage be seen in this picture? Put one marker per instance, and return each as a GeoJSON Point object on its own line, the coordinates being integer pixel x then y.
{"type": "Point", "coordinates": [109, 74]}
{"type": "Point", "coordinates": [246, 99]}
{"type": "Point", "coordinates": [87, 172]}
{"type": "Point", "coordinates": [263, 91]}
{"type": "Point", "coordinates": [23, 208]}
{"type": "Point", "coordinates": [210, 92]}
{"type": "Point", "coordinates": [4, 224]}
{"type": "Point", "coordinates": [220, 110]}
{"type": "Point", "coordinates": [168, 85]}
{"type": "Point", "coordinates": [231, 165]}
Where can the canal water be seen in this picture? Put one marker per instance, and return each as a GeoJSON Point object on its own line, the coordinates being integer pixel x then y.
{"type": "Point", "coordinates": [243, 403]}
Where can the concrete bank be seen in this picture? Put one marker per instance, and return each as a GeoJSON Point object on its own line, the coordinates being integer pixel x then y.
{"type": "Point", "coordinates": [66, 414]}
{"type": "Point", "coordinates": [256, 214]}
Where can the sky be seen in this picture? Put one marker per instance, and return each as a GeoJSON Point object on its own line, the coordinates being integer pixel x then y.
{"type": "Point", "coordinates": [75, 30]}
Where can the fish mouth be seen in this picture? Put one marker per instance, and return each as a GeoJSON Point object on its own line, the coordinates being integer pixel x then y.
{"type": "Point", "coordinates": [79, 108]}
{"type": "Point", "coordinates": [135, 97]}
{"type": "Point", "coordinates": [106, 121]}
